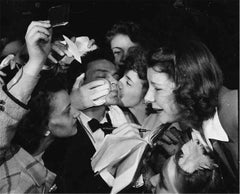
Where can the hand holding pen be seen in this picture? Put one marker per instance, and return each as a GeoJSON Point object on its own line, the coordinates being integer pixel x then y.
{"type": "Point", "coordinates": [141, 130]}
{"type": "Point", "coordinates": [127, 130]}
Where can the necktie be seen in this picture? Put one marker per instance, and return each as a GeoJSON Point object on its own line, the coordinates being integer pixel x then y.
{"type": "Point", "coordinates": [106, 127]}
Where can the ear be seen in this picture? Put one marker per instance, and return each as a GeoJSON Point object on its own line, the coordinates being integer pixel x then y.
{"type": "Point", "coordinates": [47, 133]}
{"type": "Point", "coordinates": [155, 180]}
{"type": "Point", "coordinates": [51, 125]}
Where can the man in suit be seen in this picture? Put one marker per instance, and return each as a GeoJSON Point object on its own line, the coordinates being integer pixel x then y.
{"type": "Point", "coordinates": [76, 174]}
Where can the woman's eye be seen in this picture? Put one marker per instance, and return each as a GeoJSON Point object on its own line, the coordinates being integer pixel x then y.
{"type": "Point", "coordinates": [117, 53]}
{"type": "Point", "coordinates": [158, 89]}
{"type": "Point", "coordinates": [128, 84]}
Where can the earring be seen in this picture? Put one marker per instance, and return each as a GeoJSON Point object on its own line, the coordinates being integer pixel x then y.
{"type": "Point", "coordinates": [47, 133]}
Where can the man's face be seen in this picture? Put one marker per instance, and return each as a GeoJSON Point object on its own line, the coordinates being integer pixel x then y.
{"type": "Point", "coordinates": [104, 69]}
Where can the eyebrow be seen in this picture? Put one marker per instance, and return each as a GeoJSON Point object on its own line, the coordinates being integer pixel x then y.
{"type": "Point", "coordinates": [156, 84]}
{"type": "Point", "coordinates": [116, 47]}
{"type": "Point", "coordinates": [102, 70]}
{"type": "Point", "coordinates": [129, 78]}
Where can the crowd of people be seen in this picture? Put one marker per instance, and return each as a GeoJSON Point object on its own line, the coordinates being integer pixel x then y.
{"type": "Point", "coordinates": [56, 114]}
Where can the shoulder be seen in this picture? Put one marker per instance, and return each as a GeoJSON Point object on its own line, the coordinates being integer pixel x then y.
{"type": "Point", "coordinates": [14, 179]}
{"type": "Point", "coordinates": [228, 109]}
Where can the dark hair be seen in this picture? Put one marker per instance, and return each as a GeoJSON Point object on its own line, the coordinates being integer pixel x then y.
{"type": "Point", "coordinates": [129, 28]}
{"type": "Point", "coordinates": [98, 54]}
{"type": "Point", "coordinates": [200, 181]}
{"type": "Point", "coordinates": [197, 76]}
{"type": "Point", "coordinates": [136, 60]}
{"type": "Point", "coordinates": [31, 128]}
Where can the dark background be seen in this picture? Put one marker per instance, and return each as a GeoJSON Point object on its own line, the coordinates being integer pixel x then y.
{"type": "Point", "coordinates": [216, 22]}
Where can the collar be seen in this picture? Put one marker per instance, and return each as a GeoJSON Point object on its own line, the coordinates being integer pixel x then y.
{"type": "Point", "coordinates": [34, 168]}
{"type": "Point", "coordinates": [84, 119]}
{"type": "Point", "coordinates": [212, 129]}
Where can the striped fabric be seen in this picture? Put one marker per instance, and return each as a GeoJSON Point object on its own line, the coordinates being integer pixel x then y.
{"type": "Point", "coordinates": [24, 174]}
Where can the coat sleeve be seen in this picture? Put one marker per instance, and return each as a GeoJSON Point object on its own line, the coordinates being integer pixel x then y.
{"type": "Point", "coordinates": [13, 100]}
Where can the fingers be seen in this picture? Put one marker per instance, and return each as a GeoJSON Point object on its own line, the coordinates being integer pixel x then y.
{"type": "Point", "coordinates": [12, 64]}
{"type": "Point", "coordinates": [79, 81]}
{"type": "Point", "coordinates": [97, 83]}
{"type": "Point", "coordinates": [59, 48]}
{"type": "Point", "coordinates": [99, 101]}
{"type": "Point", "coordinates": [169, 149]}
{"type": "Point", "coordinates": [44, 24]}
{"type": "Point", "coordinates": [51, 58]}
{"type": "Point", "coordinates": [73, 39]}
{"type": "Point", "coordinates": [172, 136]}
{"type": "Point", "coordinates": [6, 61]}
{"type": "Point", "coordinates": [38, 30]}
{"type": "Point", "coordinates": [2, 74]}
{"type": "Point", "coordinates": [1, 81]}
{"type": "Point", "coordinates": [99, 94]}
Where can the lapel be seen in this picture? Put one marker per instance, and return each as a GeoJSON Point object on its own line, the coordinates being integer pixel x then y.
{"type": "Point", "coordinates": [222, 155]}
{"type": "Point", "coordinates": [82, 139]}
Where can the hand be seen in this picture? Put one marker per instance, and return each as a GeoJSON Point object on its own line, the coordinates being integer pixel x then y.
{"type": "Point", "coordinates": [8, 60]}
{"type": "Point", "coordinates": [127, 130]}
{"type": "Point", "coordinates": [171, 140]}
{"type": "Point", "coordinates": [38, 39]}
{"type": "Point", "coordinates": [2, 75]}
{"type": "Point", "coordinates": [61, 50]}
{"type": "Point", "coordinates": [88, 95]}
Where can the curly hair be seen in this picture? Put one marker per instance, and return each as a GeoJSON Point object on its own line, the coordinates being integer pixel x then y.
{"type": "Point", "coordinates": [31, 128]}
{"type": "Point", "coordinates": [198, 78]}
{"type": "Point", "coordinates": [136, 60]}
{"type": "Point", "coordinates": [129, 28]}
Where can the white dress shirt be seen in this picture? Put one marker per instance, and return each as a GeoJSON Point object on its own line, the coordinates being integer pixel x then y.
{"type": "Point", "coordinates": [212, 129]}
{"type": "Point", "coordinates": [117, 118]}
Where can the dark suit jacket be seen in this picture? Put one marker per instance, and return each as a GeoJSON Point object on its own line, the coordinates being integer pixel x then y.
{"type": "Point", "coordinates": [228, 151]}
{"type": "Point", "coordinates": [78, 176]}
{"type": "Point", "coordinates": [73, 165]}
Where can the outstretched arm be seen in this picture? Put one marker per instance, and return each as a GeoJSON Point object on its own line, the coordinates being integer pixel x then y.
{"type": "Point", "coordinates": [18, 91]}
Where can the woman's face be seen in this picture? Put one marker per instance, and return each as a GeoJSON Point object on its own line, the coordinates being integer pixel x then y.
{"type": "Point", "coordinates": [61, 122]}
{"type": "Point", "coordinates": [120, 44]}
{"type": "Point", "coordinates": [160, 95]}
{"type": "Point", "coordinates": [131, 89]}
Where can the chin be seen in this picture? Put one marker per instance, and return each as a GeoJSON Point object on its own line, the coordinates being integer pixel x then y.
{"type": "Point", "coordinates": [113, 100]}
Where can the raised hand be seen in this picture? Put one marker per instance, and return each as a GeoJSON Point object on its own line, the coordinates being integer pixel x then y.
{"type": "Point", "coordinates": [172, 140]}
{"type": "Point", "coordinates": [127, 130]}
{"type": "Point", "coordinates": [38, 41]}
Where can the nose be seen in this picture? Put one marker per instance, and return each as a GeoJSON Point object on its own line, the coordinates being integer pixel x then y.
{"type": "Point", "coordinates": [120, 84]}
{"type": "Point", "coordinates": [113, 84]}
{"type": "Point", "coordinates": [149, 97]}
{"type": "Point", "coordinates": [122, 59]}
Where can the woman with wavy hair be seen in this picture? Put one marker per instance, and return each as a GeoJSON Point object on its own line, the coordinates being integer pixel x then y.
{"type": "Point", "coordinates": [186, 86]}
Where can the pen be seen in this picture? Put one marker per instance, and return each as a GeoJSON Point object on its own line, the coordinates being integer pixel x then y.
{"type": "Point", "coordinates": [112, 128]}
{"type": "Point", "coordinates": [143, 130]}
